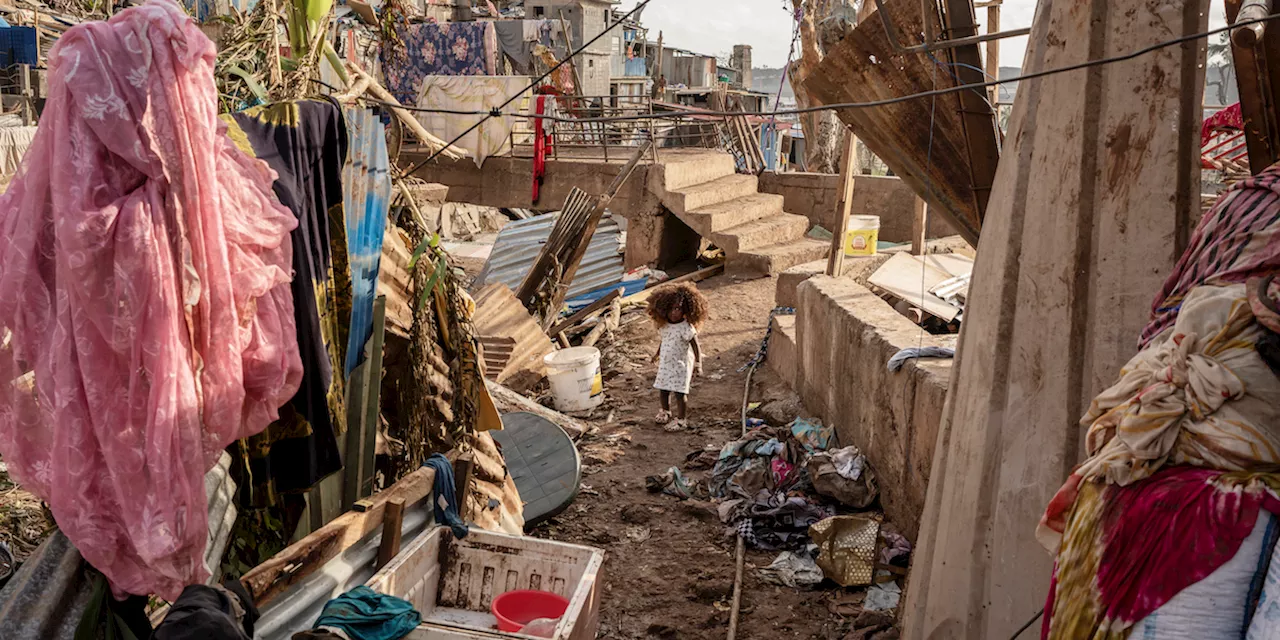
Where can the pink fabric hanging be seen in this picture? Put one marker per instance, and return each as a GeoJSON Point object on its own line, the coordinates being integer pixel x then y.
{"type": "Point", "coordinates": [147, 318]}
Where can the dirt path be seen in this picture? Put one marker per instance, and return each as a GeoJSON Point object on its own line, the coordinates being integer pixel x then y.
{"type": "Point", "coordinates": [669, 572]}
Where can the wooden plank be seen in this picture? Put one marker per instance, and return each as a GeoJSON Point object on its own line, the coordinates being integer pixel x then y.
{"type": "Point", "coordinates": [1098, 182]}
{"type": "Point", "coordinates": [392, 521]}
{"type": "Point", "coordinates": [463, 469]}
{"type": "Point", "coordinates": [696, 276]}
{"type": "Point", "coordinates": [509, 401]}
{"type": "Point", "coordinates": [919, 227]}
{"type": "Point", "coordinates": [976, 114]}
{"type": "Point", "coordinates": [299, 560]}
{"type": "Point", "coordinates": [993, 53]}
{"type": "Point", "coordinates": [585, 312]}
{"type": "Point", "coordinates": [910, 278]}
{"type": "Point", "coordinates": [1256, 79]}
{"type": "Point", "coordinates": [373, 400]}
{"type": "Point", "coordinates": [848, 162]}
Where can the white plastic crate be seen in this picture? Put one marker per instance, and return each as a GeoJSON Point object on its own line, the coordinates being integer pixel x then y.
{"type": "Point", "coordinates": [453, 582]}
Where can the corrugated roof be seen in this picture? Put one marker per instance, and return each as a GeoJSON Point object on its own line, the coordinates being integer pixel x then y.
{"type": "Point", "coordinates": [514, 344]}
{"type": "Point", "coordinates": [519, 244]}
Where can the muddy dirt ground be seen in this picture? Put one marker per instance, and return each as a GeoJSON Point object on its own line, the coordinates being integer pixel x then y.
{"type": "Point", "coordinates": [670, 566]}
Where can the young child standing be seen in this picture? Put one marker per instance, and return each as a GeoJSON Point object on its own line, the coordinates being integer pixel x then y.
{"type": "Point", "coordinates": [678, 310]}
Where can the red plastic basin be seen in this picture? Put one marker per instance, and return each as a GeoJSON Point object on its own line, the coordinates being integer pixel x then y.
{"type": "Point", "coordinates": [514, 609]}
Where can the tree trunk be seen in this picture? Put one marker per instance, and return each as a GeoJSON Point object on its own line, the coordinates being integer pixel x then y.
{"type": "Point", "coordinates": [823, 131]}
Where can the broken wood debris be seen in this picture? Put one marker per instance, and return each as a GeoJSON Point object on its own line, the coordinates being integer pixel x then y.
{"type": "Point", "coordinates": [513, 344]}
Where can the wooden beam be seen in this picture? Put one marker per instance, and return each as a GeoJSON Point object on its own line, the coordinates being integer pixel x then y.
{"type": "Point", "coordinates": [696, 276]}
{"type": "Point", "coordinates": [585, 312]}
{"type": "Point", "coordinates": [976, 113]}
{"type": "Point", "coordinates": [848, 169]}
{"type": "Point", "coordinates": [1257, 79]}
{"type": "Point", "coordinates": [919, 226]}
{"type": "Point", "coordinates": [993, 54]}
{"type": "Point", "coordinates": [463, 470]}
{"type": "Point", "coordinates": [392, 521]}
{"type": "Point", "coordinates": [509, 401]}
{"type": "Point", "coordinates": [268, 580]}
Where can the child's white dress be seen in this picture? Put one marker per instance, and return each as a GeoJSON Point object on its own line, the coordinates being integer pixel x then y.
{"type": "Point", "coordinates": [675, 357]}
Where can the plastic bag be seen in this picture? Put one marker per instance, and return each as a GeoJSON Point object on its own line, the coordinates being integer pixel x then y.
{"type": "Point", "coordinates": [541, 628]}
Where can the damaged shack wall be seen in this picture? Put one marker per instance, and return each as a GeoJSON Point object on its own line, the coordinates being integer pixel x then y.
{"type": "Point", "coordinates": [1093, 202]}
{"type": "Point", "coordinates": [844, 336]}
{"type": "Point", "coordinates": [816, 196]}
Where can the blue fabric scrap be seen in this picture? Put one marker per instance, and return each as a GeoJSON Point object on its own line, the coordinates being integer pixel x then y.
{"type": "Point", "coordinates": [365, 614]}
{"type": "Point", "coordinates": [443, 491]}
{"type": "Point", "coordinates": [900, 358]}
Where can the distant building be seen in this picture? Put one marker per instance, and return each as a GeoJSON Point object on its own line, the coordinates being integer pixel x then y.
{"type": "Point", "coordinates": [586, 19]}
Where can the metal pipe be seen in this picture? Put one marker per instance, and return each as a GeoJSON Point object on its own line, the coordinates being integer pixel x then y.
{"type": "Point", "coordinates": [1249, 36]}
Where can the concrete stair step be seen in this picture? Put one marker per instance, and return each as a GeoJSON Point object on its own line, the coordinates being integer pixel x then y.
{"type": "Point", "coordinates": [726, 215]}
{"type": "Point", "coordinates": [770, 260]}
{"type": "Point", "coordinates": [763, 232]}
{"type": "Point", "coordinates": [692, 198]}
{"type": "Point", "coordinates": [677, 172]}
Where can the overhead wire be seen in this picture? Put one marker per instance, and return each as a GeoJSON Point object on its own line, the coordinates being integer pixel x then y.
{"type": "Point", "coordinates": [497, 112]}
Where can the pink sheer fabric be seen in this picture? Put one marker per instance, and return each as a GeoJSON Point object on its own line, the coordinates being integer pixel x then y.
{"type": "Point", "coordinates": [144, 302]}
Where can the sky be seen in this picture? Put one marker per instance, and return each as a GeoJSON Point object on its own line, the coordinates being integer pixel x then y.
{"type": "Point", "coordinates": [713, 26]}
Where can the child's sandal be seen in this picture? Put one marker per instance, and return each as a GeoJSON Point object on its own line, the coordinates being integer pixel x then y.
{"type": "Point", "coordinates": [663, 417]}
{"type": "Point", "coordinates": [676, 426]}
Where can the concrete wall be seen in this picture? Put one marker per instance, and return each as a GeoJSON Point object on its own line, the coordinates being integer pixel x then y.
{"type": "Point", "coordinates": [844, 336]}
{"type": "Point", "coordinates": [817, 197]}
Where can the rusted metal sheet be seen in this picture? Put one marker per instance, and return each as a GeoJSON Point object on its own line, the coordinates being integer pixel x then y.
{"type": "Point", "coordinates": [922, 140]}
{"type": "Point", "coordinates": [395, 283]}
{"type": "Point", "coordinates": [514, 344]}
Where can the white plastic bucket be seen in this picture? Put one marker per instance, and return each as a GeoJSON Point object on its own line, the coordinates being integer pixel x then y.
{"type": "Point", "coordinates": [574, 374]}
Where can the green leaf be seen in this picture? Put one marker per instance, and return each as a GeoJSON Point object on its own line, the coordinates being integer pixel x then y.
{"type": "Point", "coordinates": [429, 242]}
{"type": "Point", "coordinates": [258, 90]}
{"type": "Point", "coordinates": [432, 282]}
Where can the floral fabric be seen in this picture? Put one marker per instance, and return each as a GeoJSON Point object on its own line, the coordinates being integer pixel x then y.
{"type": "Point", "coordinates": [439, 49]}
{"type": "Point", "coordinates": [144, 299]}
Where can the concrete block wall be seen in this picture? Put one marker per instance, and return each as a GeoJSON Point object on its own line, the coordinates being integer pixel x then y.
{"type": "Point", "coordinates": [817, 196]}
{"type": "Point", "coordinates": [844, 336]}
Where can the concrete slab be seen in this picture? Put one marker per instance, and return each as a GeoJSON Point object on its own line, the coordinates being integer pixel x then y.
{"type": "Point", "coordinates": [782, 356]}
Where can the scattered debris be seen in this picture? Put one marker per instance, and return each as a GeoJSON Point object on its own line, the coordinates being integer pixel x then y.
{"type": "Point", "coordinates": [795, 570]}
{"type": "Point", "coordinates": [847, 548]}
{"type": "Point", "coordinates": [845, 475]}
{"type": "Point", "coordinates": [672, 483]}
{"type": "Point", "coordinates": [883, 597]}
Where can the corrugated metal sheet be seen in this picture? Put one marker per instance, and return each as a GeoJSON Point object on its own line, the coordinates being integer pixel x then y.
{"type": "Point", "coordinates": [395, 283]}
{"type": "Point", "coordinates": [514, 344]}
{"type": "Point", "coordinates": [297, 609]}
{"type": "Point", "coordinates": [520, 242]}
{"type": "Point", "coordinates": [366, 184]}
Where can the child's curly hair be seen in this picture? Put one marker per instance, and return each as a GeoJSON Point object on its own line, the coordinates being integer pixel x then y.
{"type": "Point", "coordinates": [683, 295]}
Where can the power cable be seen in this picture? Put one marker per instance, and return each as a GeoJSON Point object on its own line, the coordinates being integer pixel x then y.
{"type": "Point", "coordinates": [497, 111]}
{"type": "Point", "coordinates": [844, 105]}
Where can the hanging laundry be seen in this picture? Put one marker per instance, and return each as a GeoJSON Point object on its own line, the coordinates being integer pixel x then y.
{"type": "Point", "coordinates": [366, 199]}
{"type": "Point", "coordinates": [542, 142]}
{"type": "Point", "coordinates": [470, 93]}
{"type": "Point", "coordinates": [513, 42]}
{"type": "Point", "coordinates": [144, 296]}
{"type": "Point", "coordinates": [305, 142]}
{"type": "Point", "coordinates": [439, 49]}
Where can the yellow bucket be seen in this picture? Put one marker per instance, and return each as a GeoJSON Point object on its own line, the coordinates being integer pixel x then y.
{"type": "Point", "coordinates": [864, 233]}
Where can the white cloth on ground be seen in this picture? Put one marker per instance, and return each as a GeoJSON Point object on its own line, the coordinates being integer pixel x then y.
{"type": "Point", "coordinates": [675, 357]}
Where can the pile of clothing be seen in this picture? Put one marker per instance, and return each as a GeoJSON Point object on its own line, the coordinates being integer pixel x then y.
{"type": "Point", "coordinates": [768, 488]}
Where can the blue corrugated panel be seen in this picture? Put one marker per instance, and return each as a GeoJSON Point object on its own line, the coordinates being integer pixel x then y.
{"type": "Point", "coordinates": [366, 184]}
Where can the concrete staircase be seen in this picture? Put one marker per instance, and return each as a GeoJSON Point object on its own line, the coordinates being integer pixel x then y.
{"type": "Point", "coordinates": [758, 237]}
